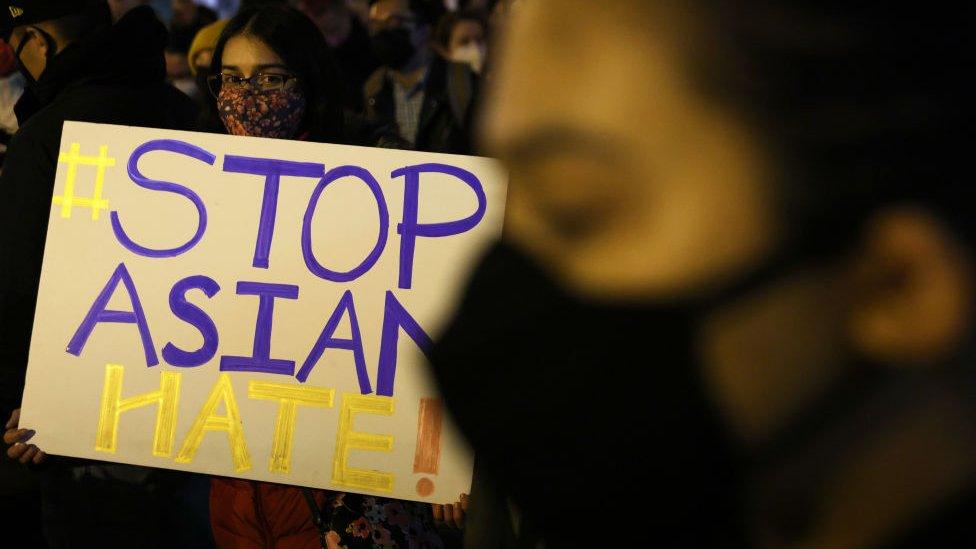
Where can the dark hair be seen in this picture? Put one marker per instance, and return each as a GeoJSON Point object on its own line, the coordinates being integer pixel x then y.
{"type": "Point", "coordinates": [863, 107]}
{"type": "Point", "coordinates": [297, 41]}
{"type": "Point", "coordinates": [445, 27]}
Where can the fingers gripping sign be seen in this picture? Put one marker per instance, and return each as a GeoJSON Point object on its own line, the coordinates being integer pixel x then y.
{"type": "Point", "coordinates": [452, 514]}
{"type": "Point", "coordinates": [17, 439]}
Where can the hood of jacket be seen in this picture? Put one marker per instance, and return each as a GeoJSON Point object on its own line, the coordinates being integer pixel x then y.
{"type": "Point", "coordinates": [128, 53]}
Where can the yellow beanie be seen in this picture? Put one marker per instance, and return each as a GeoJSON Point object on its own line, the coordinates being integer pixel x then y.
{"type": "Point", "coordinates": [206, 39]}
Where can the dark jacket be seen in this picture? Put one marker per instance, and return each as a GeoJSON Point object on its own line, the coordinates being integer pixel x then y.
{"type": "Point", "coordinates": [114, 75]}
{"type": "Point", "coordinates": [445, 118]}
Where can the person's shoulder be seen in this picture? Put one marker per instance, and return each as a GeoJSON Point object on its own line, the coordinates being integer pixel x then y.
{"type": "Point", "coordinates": [43, 128]}
{"type": "Point", "coordinates": [155, 105]}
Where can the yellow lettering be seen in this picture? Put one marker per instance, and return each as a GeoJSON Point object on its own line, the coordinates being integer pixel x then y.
{"type": "Point", "coordinates": [113, 405]}
{"type": "Point", "coordinates": [289, 397]}
{"type": "Point", "coordinates": [347, 440]}
{"type": "Point", "coordinates": [208, 421]}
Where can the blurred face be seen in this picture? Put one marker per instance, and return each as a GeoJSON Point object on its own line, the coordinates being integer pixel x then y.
{"type": "Point", "coordinates": [467, 34]}
{"type": "Point", "coordinates": [184, 10]}
{"type": "Point", "coordinates": [626, 182]}
{"type": "Point", "coordinates": [333, 19]}
{"type": "Point", "coordinates": [398, 39]}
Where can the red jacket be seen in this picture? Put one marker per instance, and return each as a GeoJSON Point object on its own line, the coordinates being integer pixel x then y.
{"type": "Point", "coordinates": [246, 514]}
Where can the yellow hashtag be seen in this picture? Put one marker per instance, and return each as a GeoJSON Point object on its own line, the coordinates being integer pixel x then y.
{"type": "Point", "coordinates": [73, 159]}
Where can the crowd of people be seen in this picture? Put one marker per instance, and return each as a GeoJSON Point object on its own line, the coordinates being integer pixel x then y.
{"type": "Point", "coordinates": [735, 285]}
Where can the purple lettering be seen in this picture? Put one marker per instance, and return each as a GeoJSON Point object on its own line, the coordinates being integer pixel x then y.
{"type": "Point", "coordinates": [196, 317]}
{"type": "Point", "coordinates": [100, 313]}
{"type": "Point", "coordinates": [311, 262]}
{"type": "Point", "coordinates": [179, 147]}
{"type": "Point", "coordinates": [260, 359]}
{"type": "Point", "coordinates": [328, 341]}
{"type": "Point", "coordinates": [395, 317]}
{"type": "Point", "coordinates": [272, 170]}
{"type": "Point", "coordinates": [409, 229]}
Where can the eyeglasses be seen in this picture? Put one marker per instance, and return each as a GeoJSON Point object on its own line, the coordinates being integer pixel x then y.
{"type": "Point", "coordinates": [258, 82]}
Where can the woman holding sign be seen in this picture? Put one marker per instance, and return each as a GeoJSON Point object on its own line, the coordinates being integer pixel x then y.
{"type": "Point", "coordinates": [274, 77]}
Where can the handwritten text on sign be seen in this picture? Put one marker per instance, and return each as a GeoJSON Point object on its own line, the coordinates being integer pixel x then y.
{"type": "Point", "coordinates": [255, 308]}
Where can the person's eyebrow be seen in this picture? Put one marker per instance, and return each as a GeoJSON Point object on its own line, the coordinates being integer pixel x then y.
{"type": "Point", "coordinates": [558, 140]}
{"type": "Point", "coordinates": [230, 68]}
{"type": "Point", "coordinates": [271, 66]}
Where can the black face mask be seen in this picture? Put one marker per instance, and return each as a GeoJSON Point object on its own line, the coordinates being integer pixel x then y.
{"type": "Point", "coordinates": [574, 405]}
{"type": "Point", "coordinates": [393, 48]}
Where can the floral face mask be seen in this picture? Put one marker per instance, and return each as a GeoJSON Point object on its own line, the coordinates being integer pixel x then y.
{"type": "Point", "coordinates": [262, 113]}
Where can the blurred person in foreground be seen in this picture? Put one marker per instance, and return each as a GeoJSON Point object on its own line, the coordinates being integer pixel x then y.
{"type": "Point", "coordinates": [426, 98]}
{"type": "Point", "coordinates": [733, 301]}
{"type": "Point", "coordinates": [78, 66]}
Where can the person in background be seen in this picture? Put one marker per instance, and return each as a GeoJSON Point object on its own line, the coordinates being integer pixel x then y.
{"type": "Point", "coordinates": [78, 66]}
{"type": "Point", "coordinates": [733, 304]}
{"type": "Point", "coordinates": [427, 99]}
{"type": "Point", "coordinates": [273, 77]}
{"type": "Point", "coordinates": [349, 42]}
{"type": "Point", "coordinates": [200, 57]}
{"type": "Point", "coordinates": [188, 18]}
{"type": "Point", "coordinates": [461, 37]}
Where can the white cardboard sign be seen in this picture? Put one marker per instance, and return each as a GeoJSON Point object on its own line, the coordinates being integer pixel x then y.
{"type": "Point", "coordinates": [255, 308]}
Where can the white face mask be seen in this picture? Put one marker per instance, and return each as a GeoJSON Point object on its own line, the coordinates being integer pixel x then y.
{"type": "Point", "coordinates": [472, 54]}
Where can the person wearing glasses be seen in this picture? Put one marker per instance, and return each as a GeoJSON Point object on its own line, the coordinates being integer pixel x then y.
{"type": "Point", "coordinates": [273, 77]}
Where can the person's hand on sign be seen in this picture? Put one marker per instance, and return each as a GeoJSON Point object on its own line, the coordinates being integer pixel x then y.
{"type": "Point", "coordinates": [17, 439]}
{"type": "Point", "coordinates": [452, 514]}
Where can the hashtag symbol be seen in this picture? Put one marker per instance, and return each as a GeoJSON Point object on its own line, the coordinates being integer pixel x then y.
{"type": "Point", "coordinates": [73, 159]}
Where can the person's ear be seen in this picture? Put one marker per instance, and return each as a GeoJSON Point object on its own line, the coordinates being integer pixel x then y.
{"type": "Point", "coordinates": [912, 289]}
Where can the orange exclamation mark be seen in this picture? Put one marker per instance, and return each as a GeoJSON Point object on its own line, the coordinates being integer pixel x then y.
{"type": "Point", "coordinates": [428, 456]}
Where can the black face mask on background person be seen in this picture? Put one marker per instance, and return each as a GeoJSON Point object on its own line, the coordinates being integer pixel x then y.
{"type": "Point", "coordinates": [393, 47]}
{"type": "Point", "coordinates": [573, 405]}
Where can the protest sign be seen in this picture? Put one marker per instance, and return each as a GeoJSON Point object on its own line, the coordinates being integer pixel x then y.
{"type": "Point", "coordinates": [255, 308]}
